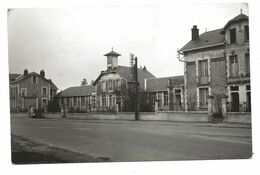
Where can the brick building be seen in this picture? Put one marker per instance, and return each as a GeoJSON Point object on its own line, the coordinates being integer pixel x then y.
{"type": "Point", "coordinates": [216, 64]}
{"type": "Point", "coordinates": [78, 98]}
{"type": "Point", "coordinates": [30, 89]}
{"type": "Point", "coordinates": [114, 79]}
{"type": "Point", "coordinates": [167, 91]}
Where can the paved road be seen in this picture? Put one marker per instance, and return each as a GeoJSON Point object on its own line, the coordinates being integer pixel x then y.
{"type": "Point", "coordinates": [138, 141]}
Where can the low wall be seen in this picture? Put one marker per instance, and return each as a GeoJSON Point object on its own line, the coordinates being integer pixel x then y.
{"type": "Point", "coordinates": [20, 114]}
{"type": "Point", "coordinates": [100, 116]}
{"type": "Point", "coordinates": [239, 117]}
{"type": "Point", "coordinates": [181, 116]}
{"type": "Point", "coordinates": [145, 116]}
{"type": "Point", "coordinates": [178, 116]}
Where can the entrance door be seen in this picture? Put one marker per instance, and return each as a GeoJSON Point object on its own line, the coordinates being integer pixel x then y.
{"type": "Point", "coordinates": [235, 102]}
{"type": "Point", "coordinates": [248, 101]}
{"type": "Point", "coordinates": [178, 102]}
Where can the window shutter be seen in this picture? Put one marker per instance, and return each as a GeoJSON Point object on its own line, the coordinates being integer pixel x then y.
{"type": "Point", "coordinates": [114, 84]}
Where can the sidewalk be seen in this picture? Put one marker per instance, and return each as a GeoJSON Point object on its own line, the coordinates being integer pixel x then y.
{"type": "Point", "coordinates": [142, 122]}
{"type": "Point", "coordinates": [57, 117]}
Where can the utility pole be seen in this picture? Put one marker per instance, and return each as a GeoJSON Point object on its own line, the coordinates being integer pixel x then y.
{"type": "Point", "coordinates": [136, 89]}
{"type": "Point", "coordinates": [134, 81]}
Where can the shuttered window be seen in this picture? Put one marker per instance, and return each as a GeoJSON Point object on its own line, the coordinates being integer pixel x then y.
{"type": "Point", "coordinates": [203, 68]}
{"type": "Point", "coordinates": [247, 64]}
{"type": "Point", "coordinates": [233, 66]}
{"type": "Point", "coordinates": [203, 94]}
{"type": "Point", "coordinates": [233, 35]}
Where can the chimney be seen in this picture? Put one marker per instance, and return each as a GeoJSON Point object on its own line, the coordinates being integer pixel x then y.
{"type": "Point", "coordinates": [42, 73]}
{"type": "Point", "coordinates": [194, 33]}
{"type": "Point", "coordinates": [144, 68]}
{"type": "Point", "coordinates": [25, 72]}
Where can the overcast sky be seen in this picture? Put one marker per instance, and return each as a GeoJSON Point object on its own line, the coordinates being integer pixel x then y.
{"type": "Point", "coordinates": [69, 43]}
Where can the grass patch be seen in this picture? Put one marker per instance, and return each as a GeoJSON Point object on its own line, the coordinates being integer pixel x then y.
{"type": "Point", "coordinates": [26, 151]}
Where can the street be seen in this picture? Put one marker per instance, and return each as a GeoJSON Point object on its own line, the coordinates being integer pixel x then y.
{"type": "Point", "coordinates": [139, 140]}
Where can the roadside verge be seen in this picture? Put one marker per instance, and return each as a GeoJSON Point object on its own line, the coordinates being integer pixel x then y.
{"type": "Point", "coordinates": [26, 151]}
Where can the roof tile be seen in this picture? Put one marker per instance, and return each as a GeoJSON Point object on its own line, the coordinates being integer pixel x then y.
{"type": "Point", "coordinates": [206, 39]}
{"type": "Point", "coordinates": [77, 91]}
{"type": "Point", "coordinates": [161, 84]}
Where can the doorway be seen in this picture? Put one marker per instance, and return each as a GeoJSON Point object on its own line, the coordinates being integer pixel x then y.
{"type": "Point", "coordinates": [248, 101]}
{"type": "Point", "coordinates": [235, 102]}
{"type": "Point", "coordinates": [178, 102]}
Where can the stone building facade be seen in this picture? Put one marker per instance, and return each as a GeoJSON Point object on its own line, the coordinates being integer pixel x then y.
{"type": "Point", "coordinates": [216, 65]}
{"type": "Point", "coordinates": [113, 80]}
{"type": "Point", "coordinates": [167, 91]}
{"type": "Point", "coordinates": [30, 90]}
{"type": "Point", "coordinates": [78, 98]}
{"type": "Point", "coordinates": [237, 54]}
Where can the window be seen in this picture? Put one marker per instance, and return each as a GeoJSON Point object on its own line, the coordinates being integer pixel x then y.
{"type": "Point", "coordinates": [203, 68]}
{"type": "Point", "coordinates": [203, 94]}
{"type": "Point", "coordinates": [152, 99]}
{"type": "Point", "coordinates": [44, 102]}
{"type": "Point", "coordinates": [233, 35]}
{"type": "Point", "coordinates": [99, 87]}
{"type": "Point", "coordinates": [83, 102]}
{"type": "Point", "coordinates": [165, 98]}
{"type": "Point", "coordinates": [248, 87]}
{"type": "Point", "coordinates": [114, 100]}
{"type": "Point", "coordinates": [13, 91]}
{"type": "Point", "coordinates": [233, 66]}
{"type": "Point", "coordinates": [159, 99]}
{"type": "Point", "coordinates": [111, 100]}
{"type": "Point", "coordinates": [246, 30]}
{"type": "Point", "coordinates": [118, 83]}
{"type": "Point", "coordinates": [247, 64]}
{"type": "Point", "coordinates": [34, 79]}
{"type": "Point", "coordinates": [104, 100]}
{"type": "Point", "coordinates": [103, 86]}
{"type": "Point", "coordinates": [75, 101]}
{"type": "Point", "coordinates": [110, 84]}
{"type": "Point", "coordinates": [63, 101]}
{"type": "Point", "coordinates": [44, 91]}
{"type": "Point", "coordinates": [23, 92]}
{"type": "Point", "coordinates": [234, 88]}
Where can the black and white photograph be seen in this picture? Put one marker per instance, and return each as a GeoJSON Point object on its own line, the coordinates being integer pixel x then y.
{"type": "Point", "coordinates": [129, 83]}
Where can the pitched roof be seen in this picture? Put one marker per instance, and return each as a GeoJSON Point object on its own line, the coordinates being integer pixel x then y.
{"type": "Point", "coordinates": [22, 76]}
{"type": "Point", "coordinates": [161, 84]}
{"type": "Point", "coordinates": [112, 53]}
{"type": "Point", "coordinates": [124, 71]}
{"type": "Point", "coordinates": [77, 91]}
{"type": "Point", "coordinates": [238, 18]}
{"type": "Point", "coordinates": [13, 76]}
{"type": "Point", "coordinates": [53, 86]}
{"type": "Point", "coordinates": [206, 39]}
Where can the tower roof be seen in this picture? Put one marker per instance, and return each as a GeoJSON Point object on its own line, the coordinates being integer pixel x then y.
{"type": "Point", "coordinates": [238, 18]}
{"type": "Point", "coordinates": [112, 53]}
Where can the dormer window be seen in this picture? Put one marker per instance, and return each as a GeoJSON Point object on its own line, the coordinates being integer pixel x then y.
{"type": "Point", "coordinates": [246, 32]}
{"type": "Point", "coordinates": [34, 79]}
{"type": "Point", "coordinates": [233, 35]}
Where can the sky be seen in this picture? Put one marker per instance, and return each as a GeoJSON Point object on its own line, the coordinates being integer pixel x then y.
{"type": "Point", "coordinates": [69, 43]}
